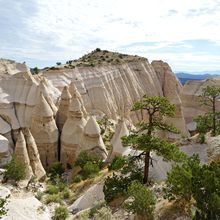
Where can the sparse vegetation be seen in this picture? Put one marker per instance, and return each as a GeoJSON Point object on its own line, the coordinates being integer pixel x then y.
{"type": "Point", "coordinates": [101, 57]}
{"type": "Point", "coordinates": [3, 210]}
{"type": "Point", "coordinates": [77, 178]}
{"type": "Point", "coordinates": [61, 213]}
{"type": "Point", "coordinates": [15, 169]}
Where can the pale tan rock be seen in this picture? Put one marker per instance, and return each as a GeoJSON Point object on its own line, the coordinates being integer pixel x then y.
{"type": "Point", "coordinates": [191, 100]}
{"type": "Point", "coordinates": [92, 140]}
{"type": "Point", "coordinates": [34, 156]}
{"type": "Point", "coordinates": [75, 93]}
{"type": "Point", "coordinates": [116, 142]}
{"type": "Point", "coordinates": [213, 149]}
{"type": "Point", "coordinates": [5, 155]}
{"type": "Point", "coordinates": [63, 109]}
{"type": "Point", "coordinates": [45, 132]}
{"type": "Point", "coordinates": [71, 137]}
{"type": "Point", "coordinates": [21, 154]}
{"type": "Point", "coordinates": [171, 89]}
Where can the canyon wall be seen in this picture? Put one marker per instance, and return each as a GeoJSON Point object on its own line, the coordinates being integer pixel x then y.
{"type": "Point", "coordinates": [33, 105]}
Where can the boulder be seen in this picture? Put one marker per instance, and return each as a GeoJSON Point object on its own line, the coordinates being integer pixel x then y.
{"type": "Point", "coordinates": [26, 209]}
{"type": "Point", "coordinates": [93, 195]}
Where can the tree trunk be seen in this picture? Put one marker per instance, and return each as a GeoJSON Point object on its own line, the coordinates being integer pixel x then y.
{"type": "Point", "coordinates": [146, 166]}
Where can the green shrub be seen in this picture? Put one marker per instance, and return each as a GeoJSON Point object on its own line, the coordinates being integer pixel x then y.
{"type": "Point", "coordinates": [56, 198]}
{"type": "Point", "coordinates": [179, 179]}
{"type": "Point", "coordinates": [52, 189]}
{"type": "Point", "coordinates": [3, 210]}
{"type": "Point", "coordinates": [85, 157]}
{"type": "Point", "coordinates": [77, 178]}
{"type": "Point", "coordinates": [104, 213]}
{"type": "Point", "coordinates": [39, 195]}
{"type": "Point", "coordinates": [15, 169]}
{"type": "Point", "coordinates": [56, 169]}
{"type": "Point", "coordinates": [115, 186]}
{"type": "Point", "coordinates": [141, 200]}
{"type": "Point", "coordinates": [61, 213]}
{"type": "Point", "coordinates": [66, 193]}
{"type": "Point", "coordinates": [117, 163]}
{"type": "Point", "coordinates": [90, 169]}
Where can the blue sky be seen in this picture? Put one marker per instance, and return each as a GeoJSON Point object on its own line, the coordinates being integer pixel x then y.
{"type": "Point", "coordinates": [186, 34]}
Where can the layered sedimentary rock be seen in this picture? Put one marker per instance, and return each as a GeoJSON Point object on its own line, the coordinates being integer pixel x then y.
{"type": "Point", "coordinates": [45, 131]}
{"type": "Point", "coordinates": [72, 133]}
{"type": "Point", "coordinates": [171, 88]}
{"type": "Point", "coordinates": [112, 89]}
{"type": "Point", "coordinates": [191, 100]}
{"type": "Point", "coordinates": [92, 140]}
{"type": "Point", "coordinates": [22, 155]}
{"type": "Point", "coordinates": [34, 156]}
{"type": "Point", "coordinates": [63, 109]}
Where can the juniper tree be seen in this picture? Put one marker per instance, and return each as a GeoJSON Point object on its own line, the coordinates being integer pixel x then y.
{"type": "Point", "coordinates": [145, 139]}
{"type": "Point", "coordinates": [210, 95]}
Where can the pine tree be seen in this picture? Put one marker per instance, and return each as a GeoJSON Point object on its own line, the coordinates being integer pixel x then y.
{"type": "Point", "coordinates": [145, 140]}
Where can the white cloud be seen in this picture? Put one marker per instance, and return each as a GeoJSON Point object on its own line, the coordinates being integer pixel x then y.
{"type": "Point", "coordinates": [69, 28]}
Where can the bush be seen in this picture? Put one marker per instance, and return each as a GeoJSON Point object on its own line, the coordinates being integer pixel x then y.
{"type": "Point", "coordinates": [90, 169]}
{"type": "Point", "coordinates": [117, 163]}
{"type": "Point", "coordinates": [115, 186]}
{"type": "Point", "coordinates": [104, 213]}
{"type": "Point", "coordinates": [3, 210]}
{"type": "Point", "coordinates": [61, 213]}
{"type": "Point", "coordinates": [52, 189]}
{"type": "Point", "coordinates": [85, 157]}
{"type": "Point", "coordinates": [66, 193]}
{"type": "Point", "coordinates": [179, 179]}
{"type": "Point", "coordinates": [56, 198]}
{"type": "Point", "coordinates": [141, 200]}
{"type": "Point", "coordinates": [39, 195]}
{"type": "Point", "coordinates": [15, 170]}
{"type": "Point", "coordinates": [77, 178]}
{"type": "Point", "coordinates": [56, 169]}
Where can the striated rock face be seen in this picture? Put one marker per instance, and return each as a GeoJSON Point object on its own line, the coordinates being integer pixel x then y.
{"type": "Point", "coordinates": [171, 88]}
{"type": "Point", "coordinates": [191, 93]}
{"type": "Point", "coordinates": [112, 89]}
{"type": "Point", "coordinates": [45, 132]}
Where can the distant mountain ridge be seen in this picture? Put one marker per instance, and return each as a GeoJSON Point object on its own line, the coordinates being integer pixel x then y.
{"type": "Point", "coordinates": [183, 76]}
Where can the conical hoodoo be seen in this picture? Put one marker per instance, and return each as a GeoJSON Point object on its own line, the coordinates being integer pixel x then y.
{"type": "Point", "coordinates": [63, 109]}
{"type": "Point", "coordinates": [75, 93]}
{"type": "Point", "coordinates": [92, 140]}
{"type": "Point", "coordinates": [116, 142]}
{"type": "Point", "coordinates": [21, 154]}
{"type": "Point", "coordinates": [72, 133]}
{"type": "Point", "coordinates": [45, 132]}
{"type": "Point", "coordinates": [34, 156]}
